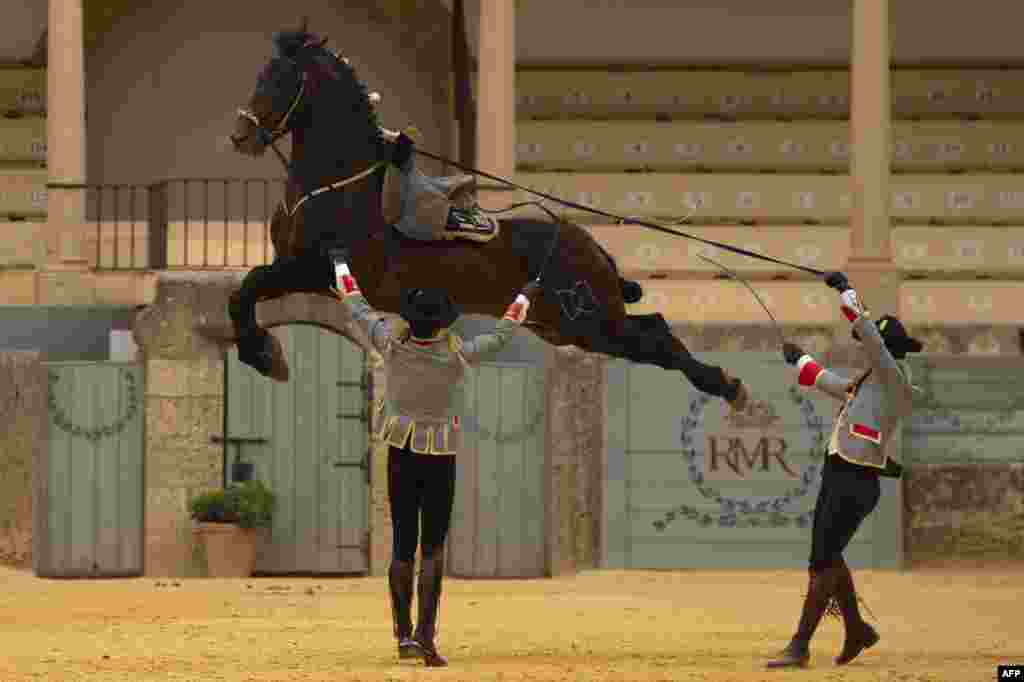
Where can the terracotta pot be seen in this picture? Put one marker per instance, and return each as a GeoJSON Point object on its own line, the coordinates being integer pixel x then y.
{"type": "Point", "coordinates": [230, 549]}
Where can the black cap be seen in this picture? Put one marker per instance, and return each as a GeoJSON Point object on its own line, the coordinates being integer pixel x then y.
{"type": "Point", "coordinates": [895, 336]}
{"type": "Point", "coordinates": [430, 308]}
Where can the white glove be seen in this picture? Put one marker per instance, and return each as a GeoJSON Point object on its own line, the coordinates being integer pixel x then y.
{"type": "Point", "coordinates": [850, 305]}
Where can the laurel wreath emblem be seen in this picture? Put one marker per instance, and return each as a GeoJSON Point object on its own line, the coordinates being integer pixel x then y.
{"type": "Point", "coordinates": [740, 513]}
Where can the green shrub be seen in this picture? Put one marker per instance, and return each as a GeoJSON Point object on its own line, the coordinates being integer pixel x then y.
{"type": "Point", "coordinates": [249, 504]}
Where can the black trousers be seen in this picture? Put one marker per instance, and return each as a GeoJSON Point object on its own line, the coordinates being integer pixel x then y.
{"type": "Point", "coordinates": [419, 486]}
{"type": "Point", "coordinates": [849, 493]}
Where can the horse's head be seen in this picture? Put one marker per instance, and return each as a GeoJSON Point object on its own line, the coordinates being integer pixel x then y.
{"type": "Point", "coordinates": [300, 70]}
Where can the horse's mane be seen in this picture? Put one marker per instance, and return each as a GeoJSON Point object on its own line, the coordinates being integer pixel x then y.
{"type": "Point", "coordinates": [352, 95]}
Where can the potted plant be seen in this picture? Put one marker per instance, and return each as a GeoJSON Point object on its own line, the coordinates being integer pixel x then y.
{"type": "Point", "coordinates": [228, 522]}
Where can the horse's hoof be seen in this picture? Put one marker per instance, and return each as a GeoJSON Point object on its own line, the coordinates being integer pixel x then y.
{"type": "Point", "coordinates": [264, 353]}
{"type": "Point", "coordinates": [278, 362]}
{"type": "Point", "coordinates": [739, 401]}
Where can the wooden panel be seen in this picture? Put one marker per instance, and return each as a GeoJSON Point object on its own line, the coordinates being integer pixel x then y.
{"type": "Point", "coordinates": [94, 503]}
{"type": "Point", "coordinates": [22, 89]}
{"type": "Point", "coordinates": [783, 147]}
{"type": "Point", "coordinates": [23, 139]}
{"type": "Point", "coordinates": [556, 94]}
{"type": "Point", "coordinates": [22, 192]}
{"type": "Point", "coordinates": [498, 521]}
{"type": "Point", "coordinates": [708, 489]}
{"type": "Point", "coordinates": [313, 461]}
{"type": "Point", "coordinates": [969, 410]}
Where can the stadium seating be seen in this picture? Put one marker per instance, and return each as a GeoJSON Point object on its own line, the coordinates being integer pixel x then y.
{"type": "Point", "coordinates": [938, 252]}
{"type": "Point", "coordinates": [977, 199]}
{"type": "Point", "coordinates": [23, 140]}
{"type": "Point", "coordinates": [678, 93]}
{"type": "Point", "coordinates": [22, 192]}
{"type": "Point", "coordinates": [22, 90]}
{"type": "Point", "coordinates": [760, 146]}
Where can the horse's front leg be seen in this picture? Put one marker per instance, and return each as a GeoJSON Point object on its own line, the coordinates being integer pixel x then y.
{"type": "Point", "coordinates": [256, 346]}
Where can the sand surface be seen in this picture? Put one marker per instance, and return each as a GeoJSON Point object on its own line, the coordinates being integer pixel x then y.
{"type": "Point", "coordinates": [953, 625]}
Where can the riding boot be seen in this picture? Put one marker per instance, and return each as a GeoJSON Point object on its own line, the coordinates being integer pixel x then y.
{"type": "Point", "coordinates": [859, 635]}
{"type": "Point", "coordinates": [821, 587]}
{"type": "Point", "coordinates": [400, 576]}
{"type": "Point", "coordinates": [429, 597]}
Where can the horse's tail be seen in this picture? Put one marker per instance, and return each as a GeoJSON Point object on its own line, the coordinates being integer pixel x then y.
{"type": "Point", "coordinates": [632, 292]}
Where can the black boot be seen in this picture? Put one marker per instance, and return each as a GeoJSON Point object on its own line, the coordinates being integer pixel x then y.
{"type": "Point", "coordinates": [859, 635]}
{"type": "Point", "coordinates": [821, 587]}
{"type": "Point", "coordinates": [400, 581]}
{"type": "Point", "coordinates": [429, 597]}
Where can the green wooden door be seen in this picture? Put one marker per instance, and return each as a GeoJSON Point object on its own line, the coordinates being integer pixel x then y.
{"type": "Point", "coordinates": [688, 486]}
{"type": "Point", "coordinates": [498, 520]}
{"type": "Point", "coordinates": [314, 450]}
{"type": "Point", "coordinates": [90, 489]}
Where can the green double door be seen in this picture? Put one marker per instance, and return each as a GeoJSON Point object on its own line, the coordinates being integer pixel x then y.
{"type": "Point", "coordinates": [308, 441]}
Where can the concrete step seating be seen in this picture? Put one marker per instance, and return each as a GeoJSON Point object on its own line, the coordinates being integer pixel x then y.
{"type": "Point", "coordinates": [688, 93]}
{"type": "Point", "coordinates": [761, 146]}
{"type": "Point", "coordinates": [23, 140]}
{"type": "Point", "coordinates": [970, 199]}
{"type": "Point", "coordinates": [22, 90]}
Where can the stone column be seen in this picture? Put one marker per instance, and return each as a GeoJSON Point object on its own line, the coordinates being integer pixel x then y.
{"type": "Point", "coordinates": [870, 265]}
{"type": "Point", "coordinates": [495, 92]}
{"type": "Point", "coordinates": [65, 134]}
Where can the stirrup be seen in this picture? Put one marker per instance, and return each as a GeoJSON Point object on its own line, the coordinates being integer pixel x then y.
{"type": "Point", "coordinates": [471, 225]}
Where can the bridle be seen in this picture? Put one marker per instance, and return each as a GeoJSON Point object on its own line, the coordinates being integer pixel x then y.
{"type": "Point", "coordinates": [269, 135]}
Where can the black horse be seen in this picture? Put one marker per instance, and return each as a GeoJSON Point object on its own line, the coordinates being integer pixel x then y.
{"type": "Point", "coordinates": [310, 92]}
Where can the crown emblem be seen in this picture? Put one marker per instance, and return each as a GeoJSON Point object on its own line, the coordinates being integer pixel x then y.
{"type": "Point", "coordinates": [757, 414]}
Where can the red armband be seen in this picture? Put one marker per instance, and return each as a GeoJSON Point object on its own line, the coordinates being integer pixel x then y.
{"type": "Point", "coordinates": [809, 370]}
{"type": "Point", "coordinates": [517, 311]}
{"type": "Point", "coordinates": [345, 282]}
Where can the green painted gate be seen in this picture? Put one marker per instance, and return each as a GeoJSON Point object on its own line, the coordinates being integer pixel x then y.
{"type": "Point", "coordinates": [687, 487]}
{"type": "Point", "coordinates": [90, 486]}
{"type": "Point", "coordinates": [498, 524]}
{"type": "Point", "coordinates": [308, 441]}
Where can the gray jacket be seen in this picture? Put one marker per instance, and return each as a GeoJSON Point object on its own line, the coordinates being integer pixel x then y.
{"type": "Point", "coordinates": [423, 378]}
{"type": "Point", "coordinates": [872, 412]}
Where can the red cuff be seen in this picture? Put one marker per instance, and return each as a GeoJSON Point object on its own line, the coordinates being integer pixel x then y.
{"type": "Point", "coordinates": [517, 311]}
{"type": "Point", "coordinates": [850, 313]}
{"type": "Point", "coordinates": [348, 285]}
{"type": "Point", "coordinates": [809, 371]}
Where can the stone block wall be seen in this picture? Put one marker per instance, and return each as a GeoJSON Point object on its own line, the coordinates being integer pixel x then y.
{"type": "Point", "coordinates": [24, 434]}
{"type": "Point", "coordinates": [184, 401]}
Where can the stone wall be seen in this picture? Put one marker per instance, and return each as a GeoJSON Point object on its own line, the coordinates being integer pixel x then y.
{"type": "Point", "coordinates": [573, 457]}
{"type": "Point", "coordinates": [184, 402]}
{"type": "Point", "coordinates": [24, 434]}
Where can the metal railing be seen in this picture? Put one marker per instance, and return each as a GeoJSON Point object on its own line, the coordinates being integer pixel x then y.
{"type": "Point", "coordinates": [180, 223]}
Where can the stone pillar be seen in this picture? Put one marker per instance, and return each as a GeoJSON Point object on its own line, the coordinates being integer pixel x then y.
{"type": "Point", "coordinates": [496, 91]}
{"type": "Point", "coordinates": [870, 264]}
{"type": "Point", "coordinates": [65, 135]}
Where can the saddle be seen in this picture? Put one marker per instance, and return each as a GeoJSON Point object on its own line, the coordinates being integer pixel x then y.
{"type": "Point", "coordinates": [431, 208]}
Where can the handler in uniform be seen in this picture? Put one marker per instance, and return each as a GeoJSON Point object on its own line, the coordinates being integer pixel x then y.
{"type": "Point", "coordinates": [873, 405]}
{"type": "Point", "coordinates": [419, 421]}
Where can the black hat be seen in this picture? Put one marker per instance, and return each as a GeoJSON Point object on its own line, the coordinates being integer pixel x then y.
{"type": "Point", "coordinates": [428, 309]}
{"type": "Point", "coordinates": [895, 336]}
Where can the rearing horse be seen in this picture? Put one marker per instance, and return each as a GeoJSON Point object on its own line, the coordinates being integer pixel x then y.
{"type": "Point", "coordinates": [333, 200]}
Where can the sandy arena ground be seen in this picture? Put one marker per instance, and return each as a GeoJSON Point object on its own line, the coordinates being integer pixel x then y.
{"type": "Point", "coordinates": [645, 626]}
